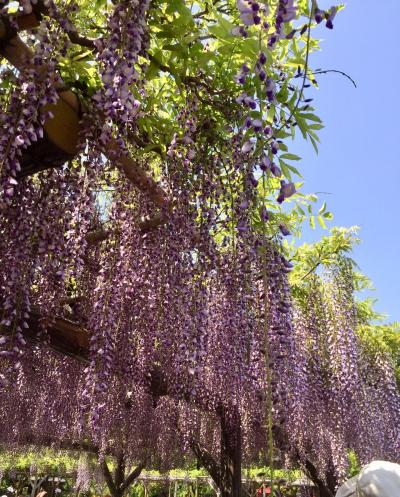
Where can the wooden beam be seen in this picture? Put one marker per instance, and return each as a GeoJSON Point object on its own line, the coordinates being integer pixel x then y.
{"type": "Point", "coordinates": [71, 339]}
{"type": "Point", "coordinates": [64, 336]}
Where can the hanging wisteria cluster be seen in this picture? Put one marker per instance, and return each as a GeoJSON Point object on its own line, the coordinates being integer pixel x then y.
{"type": "Point", "coordinates": [345, 393]}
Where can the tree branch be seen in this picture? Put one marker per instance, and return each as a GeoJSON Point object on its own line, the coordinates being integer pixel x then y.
{"type": "Point", "coordinates": [132, 477]}
{"type": "Point", "coordinates": [207, 461]}
{"type": "Point", "coordinates": [109, 479]}
{"type": "Point", "coordinates": [326, 71]}
{"type": "Point", "coordinates": [145, 226]}
{"type": "Point", "coordinates": [119, 473]}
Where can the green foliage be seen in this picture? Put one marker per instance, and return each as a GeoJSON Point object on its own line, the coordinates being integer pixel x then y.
{"type": "Point", "coordinates": [46, 460]}
{"type": "Point", "coordinates": [192, 50]}
{"type": "Point", "coordinates": [354, 464]}
{"type": "Point", "coordinates": [309, 257]}
{"type": "Point", "coordinates": [64, 464]}
{"type": "Point", "coordinates": [265, 471]}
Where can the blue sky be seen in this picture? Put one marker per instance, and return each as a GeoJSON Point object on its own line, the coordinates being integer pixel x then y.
{"type": "Point", "coordinates": [358, 162]}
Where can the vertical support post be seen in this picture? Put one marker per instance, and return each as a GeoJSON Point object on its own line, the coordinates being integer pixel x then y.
{"type": "Point", "coordinates": [231, 455]}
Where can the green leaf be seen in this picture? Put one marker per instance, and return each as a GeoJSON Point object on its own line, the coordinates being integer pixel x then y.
{"type": "Point", "coordinates": [322, 208]}
{"type": "Point", "coordinates": [290, 157]}
{"type": "Point", "coordinates": [302, 126]}
{"type": "Point", "coordinates": [321, 222]}
{"type": "Point", "coordinates": [310, 117]}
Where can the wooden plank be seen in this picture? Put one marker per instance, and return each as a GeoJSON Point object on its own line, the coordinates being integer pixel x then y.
{"type": "Point", "coordinates": [71, 339]}
{"type": "Point", "coordinates": [63, 128]}
{"type": "Point", "coordinates": [64, 336]}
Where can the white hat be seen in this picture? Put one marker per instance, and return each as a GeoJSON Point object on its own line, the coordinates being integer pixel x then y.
{"type": "Point", "coordinates": [377, 479]}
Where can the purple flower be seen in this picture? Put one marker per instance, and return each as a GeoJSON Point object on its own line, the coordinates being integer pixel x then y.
{"type": "Point", "coordinates": [250, 102]}
{"type": "Point", "coordinates": [268, 131]}
{"type": "Point", "coordinates": [19, 140]}
{"type": "Point", "coordinates": [236, 31]}
{"type": "Point", "coordinates": [286, 191]}
{"type": "Point", "coordinates": [287, 10]}
{"type": "Point", "coordinates": [284, 230]}
{"type": "Point", "coordinates": [241, 98]}
{"type": "Point", "coordinates": [242, 6]}
{"type": "Point", "coordinates": [253, 181]}
{"type": "Point", "coordinates": [291, 34]}
{"type": "Point", "coordinates": [286, 263]}
{"type": "Point", "coordinates": [262, 58]}
{"type": "Point", "coordinates": [265, 163]}
{"type": "Point", "coordinates": [257, 125]}
{"type": "Point", "coordinates": [240, 78]}
{"type": "Point", "coordinates": [264, 214]}
{"type": "Point", "coordinates": [275, 170]}
{"type": "Point", "coordinates": [248, 122]}
{"type": "Point", "coordinates": [247, 18]}
{"type": "Point", "coordinates": [242, 226]}
{"type": "Point", "coordinates": [274, 147]}
{"type": "Point", "coordinates": [318, 15]}
{"type": "Point", "coordinates": [239, 31]}
{"type": "Point", "coordinates": [247, 146]}
{"type": "Point", "coordinates": [330, 16]}
{"type": "Point", "coordinates": [271, 88]}
{"type": "Point", "coordinates": [191, 154]}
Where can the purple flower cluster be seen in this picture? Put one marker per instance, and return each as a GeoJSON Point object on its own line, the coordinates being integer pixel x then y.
{"type": "Point", "coordinates": [22, 122]}
{"type": "Point", "coordinates": [118, 57]}
{"type": "Point", "coordinates": [250, 11]}
{"type": "Point", "coordinates": [344, 395]}
{"type": "Point", "coordinates": [261, 144]}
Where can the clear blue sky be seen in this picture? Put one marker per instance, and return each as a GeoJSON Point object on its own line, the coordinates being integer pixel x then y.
{"type": "Point", "coordinates": [358, 163]}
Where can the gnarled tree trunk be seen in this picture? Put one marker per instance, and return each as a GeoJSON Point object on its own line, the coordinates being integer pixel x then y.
{"type": "Point", "coordinates": [227, 474]}
{"type": "Point", "coordinates": [119, 483]}
{"type": "Point", "coordinates": [231, 455]}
